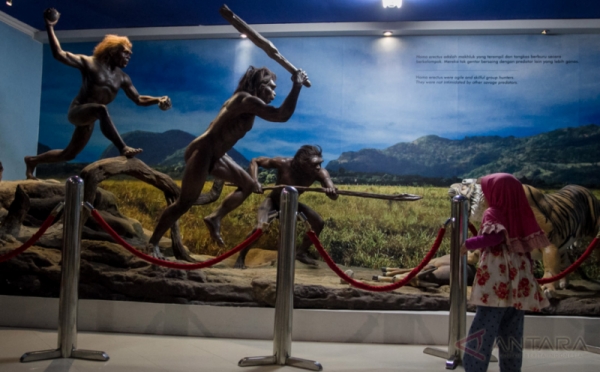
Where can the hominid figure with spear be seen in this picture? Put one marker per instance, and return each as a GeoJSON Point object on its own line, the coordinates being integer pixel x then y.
{"type": "Point", "coordinates": [301, 170]}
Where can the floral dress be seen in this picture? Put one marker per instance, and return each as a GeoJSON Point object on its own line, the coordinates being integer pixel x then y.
{"type": "Point", "coordinates": [506, 279]}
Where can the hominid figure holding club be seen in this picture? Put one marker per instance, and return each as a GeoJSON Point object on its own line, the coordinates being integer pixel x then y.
{"type": "Point", "coordinates": [207, 153]}
{"type": "Point", "coordinates": [102, 77]}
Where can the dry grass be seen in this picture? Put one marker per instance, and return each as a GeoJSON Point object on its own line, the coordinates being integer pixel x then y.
{"type": "Point", "coordinates": [359, 232]}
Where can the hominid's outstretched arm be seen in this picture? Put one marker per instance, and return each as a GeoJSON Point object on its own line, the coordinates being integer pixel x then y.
{"type": "Point", "coordinates": [51, 17]}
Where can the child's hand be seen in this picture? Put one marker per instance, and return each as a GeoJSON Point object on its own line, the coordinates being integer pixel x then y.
{"type": "Point", "coordinates": [463, 249]}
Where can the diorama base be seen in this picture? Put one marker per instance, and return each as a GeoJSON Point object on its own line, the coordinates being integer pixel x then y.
{"type": "Point", "coordinates": [383, 327]}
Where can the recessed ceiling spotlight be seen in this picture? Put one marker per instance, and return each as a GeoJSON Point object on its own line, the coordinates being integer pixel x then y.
{"type": "Point", "coordinates": [544, 32]}
{"type": "Point", "coordinates": [388, 33]}
{"type": "Point", "coordinates": [9, 2]}
{"type": "Point", "coordinates": [243, 36]}
{"type": "Point", "coordinates": [391, 3]}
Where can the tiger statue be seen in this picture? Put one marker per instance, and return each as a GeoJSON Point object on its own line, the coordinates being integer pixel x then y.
{"type": "Point", "coordinates": [566, 216]}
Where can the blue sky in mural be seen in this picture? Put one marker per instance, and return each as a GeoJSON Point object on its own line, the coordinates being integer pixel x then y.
{"type": "Point", "coordinates": [367, 92]}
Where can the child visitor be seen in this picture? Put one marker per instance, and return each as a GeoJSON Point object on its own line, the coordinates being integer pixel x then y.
{"type": "Point", "coordinates": [504, 286]}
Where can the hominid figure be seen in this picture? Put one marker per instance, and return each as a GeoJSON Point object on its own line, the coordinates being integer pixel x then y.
{"type": "Point", "coordinates": [301, 170]}
{"type": "Point", "coordinates": [102, 77]}
{"type": "Point", "coordinates": [207, 153]}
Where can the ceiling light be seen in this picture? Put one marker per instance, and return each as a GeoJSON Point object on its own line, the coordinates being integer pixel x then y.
{"type": "Point", "coordinates": [392, 3]}
{"type": "Point", "coordinates": [9, 2]}
{"type": "Point", "coordinates": [544, 32]}
{"type": "Point", "coordinates": [243, 36]}
{"type": "Point", "coordinates": [387, 33]}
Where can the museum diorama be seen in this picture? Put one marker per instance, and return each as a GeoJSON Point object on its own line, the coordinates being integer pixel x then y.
{"type": "Point", "coordinates": [411, 164]}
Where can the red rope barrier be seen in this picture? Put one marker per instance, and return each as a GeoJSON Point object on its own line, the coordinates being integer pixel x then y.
{"type": "Point", "coordinates": [573, 266]}
{"type": "Point", "coordinates": [34, 238]}
{"type": "Point", "coordinates": [173, 265]}
{"type": "Point", "coordinates": [384, 288]}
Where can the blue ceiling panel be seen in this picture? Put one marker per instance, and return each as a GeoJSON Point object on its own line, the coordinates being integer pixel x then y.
{"type": "Point", "coordinates": [99, 14]}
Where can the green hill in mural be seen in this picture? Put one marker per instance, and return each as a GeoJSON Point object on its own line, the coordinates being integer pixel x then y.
{"type": "Point", "coordinates": [163, 149]}
{"type": "Point", "coordinates": [176, 159]}
{"type": "Point", "coordinates": [563, 156]}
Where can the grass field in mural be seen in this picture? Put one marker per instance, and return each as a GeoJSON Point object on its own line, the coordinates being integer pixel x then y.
{"type": "Point", "coordinates": [358, 232]}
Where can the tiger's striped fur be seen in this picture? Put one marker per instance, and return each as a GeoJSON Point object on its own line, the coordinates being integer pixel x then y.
{"type": "Point", "coordinates": [572, 212]}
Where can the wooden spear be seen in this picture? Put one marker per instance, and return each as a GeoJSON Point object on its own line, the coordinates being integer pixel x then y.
{"type": "Point", "coordinates": [393, 197]}
{"type": "Point", "coordinates": [258, 40]}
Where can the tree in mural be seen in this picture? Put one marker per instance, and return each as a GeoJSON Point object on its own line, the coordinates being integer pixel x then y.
{"type": "Point", "coordinates": [102, 77]}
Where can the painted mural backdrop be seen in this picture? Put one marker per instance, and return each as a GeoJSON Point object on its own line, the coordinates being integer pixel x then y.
{"type": "Point", "coordinates": [400, 105]}
{"type": "Point", "coordinates": [393, 115]}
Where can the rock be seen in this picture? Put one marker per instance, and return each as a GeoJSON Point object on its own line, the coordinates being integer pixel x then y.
{"type": "Point", "coordinates": [350, 274]}
{"type": "Point", "coordinates": [325, 297]}
{"type": "Point", "coordinates": [11, 224]}
{"type": "Point", "coordinates": [45, 195]}
{"type": "Point", "coordinates": [258, 257]}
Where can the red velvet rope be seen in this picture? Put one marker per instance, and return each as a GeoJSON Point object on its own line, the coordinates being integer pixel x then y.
{"type": "Point", "coordinates": [383, 288]}
{"type": "Point", "coordinates": [573, 266]}
{"type": "Point", "coordinates": [174, 265]}
{"type": "Point", "coordinates": [34, 238]}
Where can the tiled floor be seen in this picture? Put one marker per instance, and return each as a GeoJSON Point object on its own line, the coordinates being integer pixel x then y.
{"type": "Point", "coordinates": [132, 353]}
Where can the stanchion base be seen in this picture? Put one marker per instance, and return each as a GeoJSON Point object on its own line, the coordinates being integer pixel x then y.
{"type": "Point", "coordinates": [34, 356]}
{"type": "Point", "coordinates": [452, 361]}
{"type": "Point", "coordinates": [592, 349]}
{"type": "Point", "coordinates": [99, 356]}
{"type": "Point", "coordinates": [272, 360]}
{"type": "Point", "coordinates": [257, 361]}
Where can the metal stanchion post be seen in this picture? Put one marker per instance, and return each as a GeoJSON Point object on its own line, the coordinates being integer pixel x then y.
{"type": "Point", "coordinates": [67, 310]}
{"type": "Point", "coordinates": [458, 286]}
{"type": "Point", "coordinates": [284, 303]}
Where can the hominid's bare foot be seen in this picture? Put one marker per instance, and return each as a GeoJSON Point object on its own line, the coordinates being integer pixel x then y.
{"type": "Point", "coordinates": [30, 168]}
{"type": "Point", "coordinates": [239, 264]}
{"type": "Point", "coordinates": [130, 152]}
{"type": "Point", "coordinates": [154, 251]}
{"type": "Point", "coordinates": [303, 257]}
{"type": "Point", "coordinates": [214, 228]}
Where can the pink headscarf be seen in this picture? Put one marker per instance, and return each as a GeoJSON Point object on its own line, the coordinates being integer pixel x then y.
{"type": "Point", "coordinates": [510, 212]}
